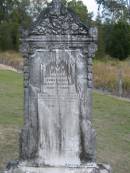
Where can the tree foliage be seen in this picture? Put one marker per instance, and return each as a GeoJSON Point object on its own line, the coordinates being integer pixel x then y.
{"type": "Point", "coordinates": [114, 10]}
{"type": "Point", "coordinates": [13, 14]}
{"type": "Point", "coordinates": [101, 41]}
{"type": "Point", "coordinates": [114, 33]}
{"type": "Point", "coordinates": [81, 10]}
{"type": "Point", "coordinates": [16, 13]}
{"type": "Point", "coordinates": [115, 18]}
{"type": "Point", "coordinates": [118, 42]}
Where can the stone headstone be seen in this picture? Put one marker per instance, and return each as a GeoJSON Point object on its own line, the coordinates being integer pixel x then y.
{"type": "Point", "coordinates": [58, 135]}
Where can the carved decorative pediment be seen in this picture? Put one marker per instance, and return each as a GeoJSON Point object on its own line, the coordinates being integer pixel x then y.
{"type": "Point", "coordinates": [58, 20]}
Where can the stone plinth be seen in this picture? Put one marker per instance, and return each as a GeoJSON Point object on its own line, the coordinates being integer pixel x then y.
{"type": "Point", "coordinates": [88, 168]}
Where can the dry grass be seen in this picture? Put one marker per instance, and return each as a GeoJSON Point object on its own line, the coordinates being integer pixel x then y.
{"type": "Point", "coordinates": [12, 58]}
{"type": "Point", "coordinates": [108, 73]}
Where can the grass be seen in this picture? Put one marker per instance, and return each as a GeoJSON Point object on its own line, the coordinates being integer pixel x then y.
{"type": "Point", "coordinates": [112, 123]}
{"type": "Point", "coordinates": [111, 119]}
{"type": "Point", "coordinates": [11, 110]}
{"type": "Point", "coordinates": [11, 96]}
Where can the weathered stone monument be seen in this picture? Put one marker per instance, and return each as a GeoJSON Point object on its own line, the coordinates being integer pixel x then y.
{"type": "Point", "coordinates": [58, 136]}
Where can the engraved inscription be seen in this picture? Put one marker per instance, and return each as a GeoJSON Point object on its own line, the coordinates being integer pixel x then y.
{"type": "Point", "coordinates": [58, 109]}
{"type": "Point", "coordinates": [58, 72]}
{"type": "Point", "coordinates": [53, 75]}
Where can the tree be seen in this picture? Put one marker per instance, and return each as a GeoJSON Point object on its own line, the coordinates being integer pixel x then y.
{"type": "Point", "coordinates": [118, 42]}
{"type": "Point", "coordinates": [35, 7]}
{"type": "Point", "coordinates": [16, 13]}
{"type": "Point", "coordinates": [13, 14]}
{"type": "Point", "coordinates": [5, 36]}
{"type": "Point", "coordinates": [116, 18]}
{"type": "Point", "coordinates": [75, 5]}
{"type": "Point", "coordinates": [114, 10]}
{"type": "Point", "coordinates": [101, 38]}
{"type": "Point", "coordinates": [129, 38]}
{"type": "Point", "coordinates": [81, 10]}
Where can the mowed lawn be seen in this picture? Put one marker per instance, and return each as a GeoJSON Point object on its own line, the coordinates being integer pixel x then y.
{"type": "Point", "coordinates": [111, 118]}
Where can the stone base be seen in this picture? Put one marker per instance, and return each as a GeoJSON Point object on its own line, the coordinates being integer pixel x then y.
{"type": "Point", "coordinates": [89, 168]}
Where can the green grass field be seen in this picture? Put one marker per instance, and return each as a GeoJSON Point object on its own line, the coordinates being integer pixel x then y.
{"type": "Point", "coordinates": [111, 119]}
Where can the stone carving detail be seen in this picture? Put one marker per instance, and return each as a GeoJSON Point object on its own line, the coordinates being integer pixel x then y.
{"type": "Point", "coordinates": [56, 20]}
{"type": "Point", "coordinates": [92, 49]}
{"type": "Point", "coordinates": [93, 33]}
{"type": "Point", "coordinates": [24, 47]}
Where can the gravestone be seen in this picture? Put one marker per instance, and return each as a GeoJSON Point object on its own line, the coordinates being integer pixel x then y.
{"type": "Point", "coordinates": [58, 135]}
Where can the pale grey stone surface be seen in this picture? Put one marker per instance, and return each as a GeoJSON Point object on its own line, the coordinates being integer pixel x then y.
{"type": "Point", "coordinates": [58, 52]}
{"type": "Point", "coordinates": [58, 135]}
{"type": "Point", "coordinates": [88, 168]}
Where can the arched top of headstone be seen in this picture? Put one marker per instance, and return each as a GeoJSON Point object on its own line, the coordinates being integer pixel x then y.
{"type": "Point", "coordinates": [56, 19]}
